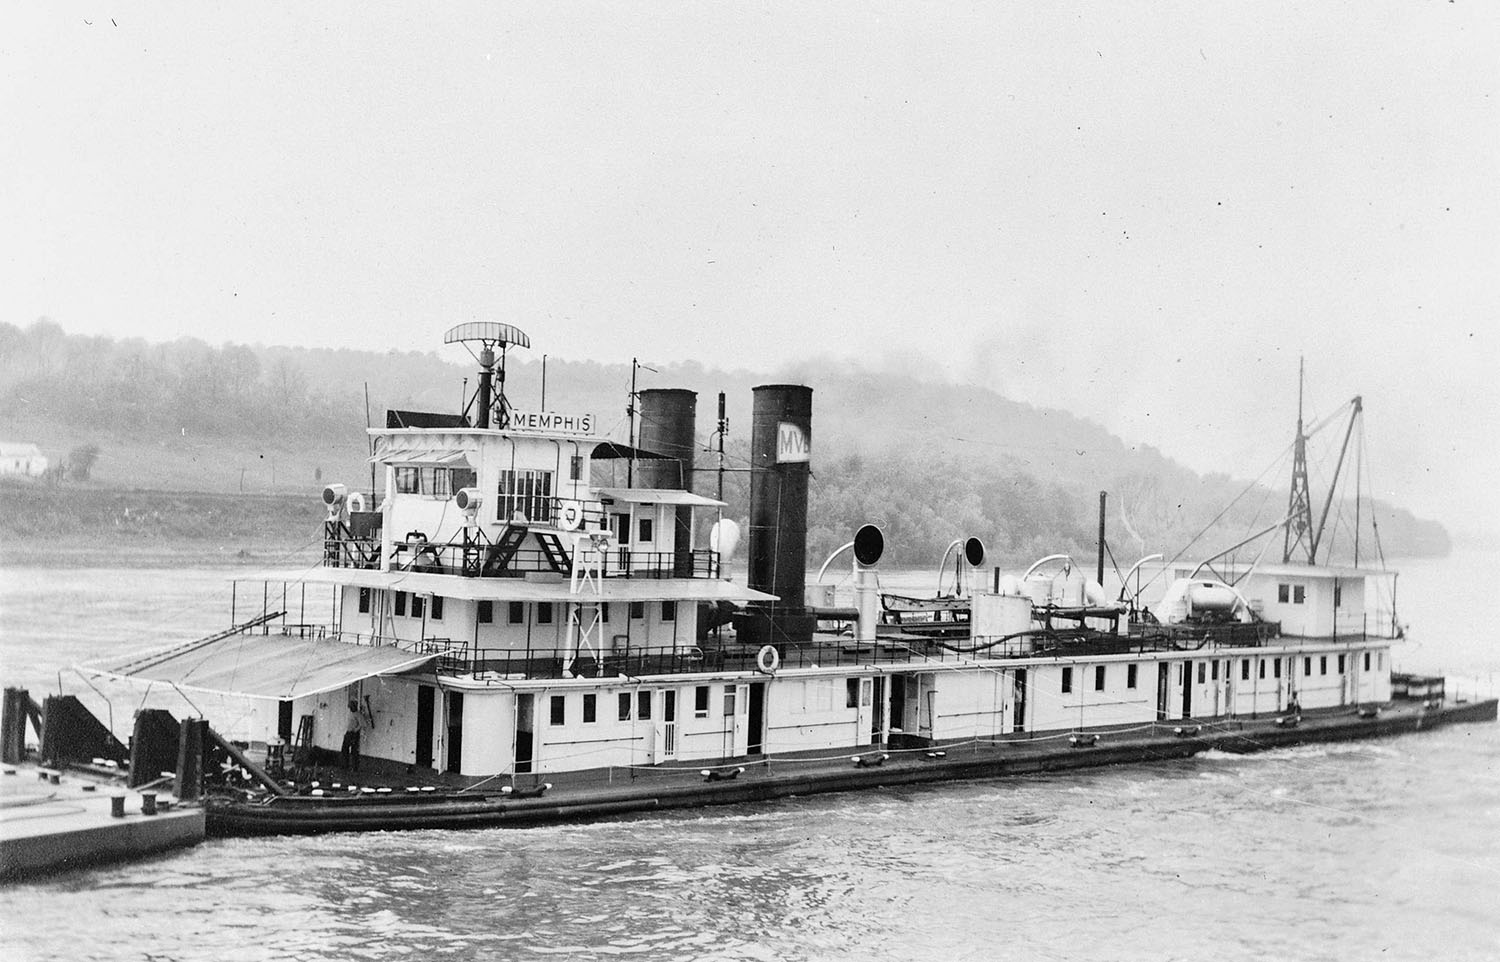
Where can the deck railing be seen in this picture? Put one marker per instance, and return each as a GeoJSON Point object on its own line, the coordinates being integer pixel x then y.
{"type": "Point", "coordinates": [477, 556]}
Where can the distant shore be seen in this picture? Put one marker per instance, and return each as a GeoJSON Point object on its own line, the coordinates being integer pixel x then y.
{"type": "Point", "coordinates": [86, 526]}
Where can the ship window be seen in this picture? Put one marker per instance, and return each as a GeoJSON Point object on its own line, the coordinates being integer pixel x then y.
{"type": "Point", "coordinates": [1306, 667]}
{"type": "Point", "coordinates": [408, 480]}
{"type": "Point", "coordinates": [1130, 675]}
{"type": "Point", "coordinates": [643, 705]}
{"type": "Point", "coordinates": [728, 701]}
{"type": "Point", "coordinates": [1067, 680]}
{"type": "Point", "coordinates": [637, 609]}
{"type": "Point", "coordinates": [437, 483]}
{"type": "Point", "coordinates": [437, 607]}
{"type": "Point", "coordinates": [1276, 664]}
{"type": "Point", "coordinates": [1216, 670]}
{"type": "Point", "coordinates": [624, 706]}
{"type": "Point", "coordinates": [1341, 664]}
{"type": "Point", "coordinates": [401, 603]}
{"type": "Point", "coordinates": [364, 604]}
{"type": "Point", "coordinates": [851, 692]}
{"type": "Point", "coordinates": [516, 613]}
{"type": "Point", "coordinates": [575, 468]}
{"type": "Point", "coordinates": [544, 613]}
{"type": "Point", "coordinates": [1203, 671]}
{"type": "Point", "coordinates": [460, 478]}
{"type": "Point", "coordinates": [1283, 593]}
{"type": "Point", "coordinates": [486, 612]}
{"type": "Point", "coordinates": [559, 709]}
{"type": "Point", "coordinates": [1367, 661]}
{"type": "Point", "coordinates": [525, 492]}
{"type": "Point", "coordinates": [1322, 664]}
{"type": "Point", "coordinates": [1245, 670]}
{"type": "Point", "coordinates": [1299, 594]}
{"type": "Point", "coordinates": [1262, 667]}
{"type": "Point", "coordinates": [590, 709]}
{"type": "Point", "coordinates": [646, 530]}
{"type": "Point", "coordinates": [700, 701]}
{"type": "Point", "coordinates": [418, 605]}
{"type": "Point", "coordinates": [669, 611]}
{"type": "Point", "coordinates": [1098, 678]}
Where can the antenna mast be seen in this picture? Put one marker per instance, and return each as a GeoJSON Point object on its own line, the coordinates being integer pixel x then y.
{"type": "Point", "coordinates": [489, 335]}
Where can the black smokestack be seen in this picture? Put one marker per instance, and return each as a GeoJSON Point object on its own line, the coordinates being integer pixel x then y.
{"type": "Point", "coordinates": [668, 421]}
{"type": "Point", "coordinates": [780, 448]}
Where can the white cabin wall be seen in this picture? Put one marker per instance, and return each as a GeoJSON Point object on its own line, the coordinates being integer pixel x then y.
{"type": "Point", "coordinates": [969, 704]}
{"type": "Point", "coordinates": [810, 713]}
{"type": "Point", "coordinates": [489, 733]}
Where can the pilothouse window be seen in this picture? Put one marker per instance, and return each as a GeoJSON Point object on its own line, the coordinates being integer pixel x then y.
{"type": "Point", "coordinates": [526, 493]}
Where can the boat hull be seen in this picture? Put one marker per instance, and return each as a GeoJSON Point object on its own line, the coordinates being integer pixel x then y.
{"type": "Point", "coordinates": [779, 777]}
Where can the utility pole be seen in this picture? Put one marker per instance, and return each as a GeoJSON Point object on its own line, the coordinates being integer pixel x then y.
{"type": "Point", "coordinates": [630, 413]}
{"type": "Point", "coordinates": [723, 429]}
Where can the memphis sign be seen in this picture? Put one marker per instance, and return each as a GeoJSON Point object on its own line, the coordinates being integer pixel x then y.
{"type": "Point", "coordinates": [791, 443]}
{"type": "Point", "coordinates": [551, 422]}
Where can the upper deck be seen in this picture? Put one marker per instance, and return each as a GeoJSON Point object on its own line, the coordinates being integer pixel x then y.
{"type": "Point", "coordinates": [505, 503]}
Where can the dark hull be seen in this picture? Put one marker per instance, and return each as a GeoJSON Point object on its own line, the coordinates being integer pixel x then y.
{"type": "Point", "coordinates": [581, 799]}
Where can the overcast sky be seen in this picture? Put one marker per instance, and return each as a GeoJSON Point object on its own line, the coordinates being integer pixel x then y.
{"type": "Point", "coordinates": [1143, 214]}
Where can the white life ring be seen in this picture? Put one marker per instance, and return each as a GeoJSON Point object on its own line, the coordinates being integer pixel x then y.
{"type": "Point", "coordinates": [768, 660]}
{"type": "Point", "coordinates": [569, 515]}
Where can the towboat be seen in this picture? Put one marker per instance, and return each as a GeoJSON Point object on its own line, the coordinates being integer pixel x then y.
{"type": "Point", "coordinates": [500, 633]}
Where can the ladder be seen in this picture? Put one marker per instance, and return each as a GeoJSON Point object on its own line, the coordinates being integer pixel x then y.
{"type": "Point", "coordinates": [498, 557]}
{"type": "Point", "coordinates": [554, 552]}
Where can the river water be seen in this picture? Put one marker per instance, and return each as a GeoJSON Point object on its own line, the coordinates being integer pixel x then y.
{"type": "Point", "coordinates": [1386, 849]}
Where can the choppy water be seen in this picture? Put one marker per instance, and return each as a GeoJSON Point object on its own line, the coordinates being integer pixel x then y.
{"type": "Point", "coordinates": [1386, 849]}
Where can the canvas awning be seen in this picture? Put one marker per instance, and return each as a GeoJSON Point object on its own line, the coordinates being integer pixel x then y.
{"type": "Point", "coordinates": [425, 458]}
{"type": "Point", "coordinates": [659, 496]}
{"type": "Point", "coordinates": [260, 666]}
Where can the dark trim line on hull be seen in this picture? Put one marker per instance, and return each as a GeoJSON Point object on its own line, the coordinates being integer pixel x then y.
{"type": "Point", "coordinates": [301, 815]}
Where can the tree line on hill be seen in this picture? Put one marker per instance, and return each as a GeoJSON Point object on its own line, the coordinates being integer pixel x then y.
{"type": "Point", "coordinates": [929, 462]}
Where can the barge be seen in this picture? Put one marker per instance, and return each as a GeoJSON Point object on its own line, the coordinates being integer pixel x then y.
{"type": "Point", "coordinates": [511, 636]}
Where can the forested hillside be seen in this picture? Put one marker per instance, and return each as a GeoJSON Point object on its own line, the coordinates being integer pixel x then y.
{"type": "Point", "coordinates": [930, 462]}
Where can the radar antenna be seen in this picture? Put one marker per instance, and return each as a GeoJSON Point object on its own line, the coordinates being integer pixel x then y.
{"type": "Point", "coordinates": [489, 335]}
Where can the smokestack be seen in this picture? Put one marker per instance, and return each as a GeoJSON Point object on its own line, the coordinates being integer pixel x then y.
{"type": "Point", "coordinates": [668, 423]}
{"type": "Point", "coordinates": [780, 451]}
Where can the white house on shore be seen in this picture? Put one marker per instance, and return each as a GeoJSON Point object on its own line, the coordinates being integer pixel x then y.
{"type": "Point", "coordinates": [22, 458]}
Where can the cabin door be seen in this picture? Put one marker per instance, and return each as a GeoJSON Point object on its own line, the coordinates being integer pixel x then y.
{"type": "Point", "coordinates": [1163, 685]}
{"type": "Point", "coordinates": [926, 706]}
{"type": "Point", "coordinates": [426, 703]}
{"type": "Point", "coordinates": [455, 701]}
{"type": "Point", "coordinates": [877, 721]}
{"type": "Point", "coordinates": [1018, 700]}
{"type": "Point", "coordinates": [1187, 689]}
{"type": "Point", "coordinates": [865, 712]}
{"type": "Point", "coordinates": [736, 707]}
{"type": "Point", "coordinates": [755, 741]}
{"type": "Point", "coordinates": [665, 742]}
{"type": "Point", "coordinates": [525, 746]}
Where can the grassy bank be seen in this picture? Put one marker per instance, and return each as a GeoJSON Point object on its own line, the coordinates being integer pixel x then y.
{"type": "Point", "coordinates": [96, 526]}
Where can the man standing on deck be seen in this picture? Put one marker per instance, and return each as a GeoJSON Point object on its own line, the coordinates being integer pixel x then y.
{"type": "Point", "coordinates": [349, 755]}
